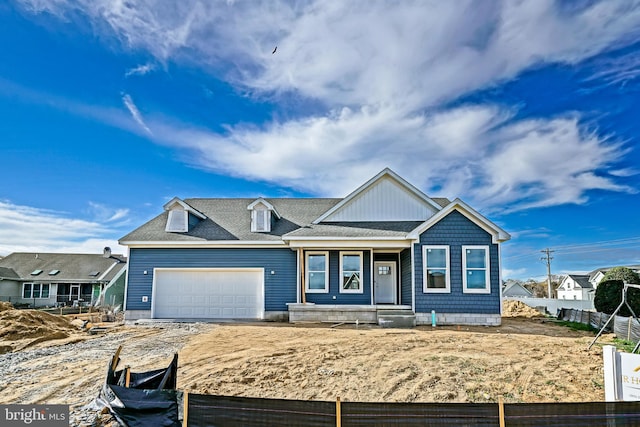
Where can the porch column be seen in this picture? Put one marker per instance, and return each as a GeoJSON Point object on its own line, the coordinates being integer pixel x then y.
{"type": "Point", "coordinates": [303, 296]}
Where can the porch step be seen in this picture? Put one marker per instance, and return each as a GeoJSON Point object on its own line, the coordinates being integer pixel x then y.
{"type": "Point", "coordinates": [396, 318]}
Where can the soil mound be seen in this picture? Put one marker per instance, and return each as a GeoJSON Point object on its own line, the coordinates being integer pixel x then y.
{"type": "Point", "coordinates": [512, 308]}
{"type": "Point", "coordinates": [5, 306]}
{"type": "Point", "coordinates": [23, 328]}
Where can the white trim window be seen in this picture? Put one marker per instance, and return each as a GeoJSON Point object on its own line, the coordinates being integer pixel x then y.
{"type": "Point", "coordinates": [35, 290]}
{"type": "Point", "coordinates": [475, 270]}
{"type": "Point", "coordinates": [317, 278]}
{"type": "Point", "coordinates": [351, 273]}
{"type": "Point", "coordinates": [260, 219]}
{"type": "Point", "coordinates": [436, 277]}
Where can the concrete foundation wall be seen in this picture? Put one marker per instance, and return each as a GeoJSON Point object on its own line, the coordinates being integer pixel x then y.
{"type": "Point", "coordinates": [331, 313]}
{"type": "Point", "coordinates": [460, 319]}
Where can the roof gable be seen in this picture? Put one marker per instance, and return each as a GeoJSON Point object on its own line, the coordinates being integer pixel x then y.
{"type": "Point", "coordinates": [176, 202]}
{"type": "Point", "coordinates": [385, 197]}
{"type": "Point", "coordinates": [260, 201]}
{"type": "Point", "coordinates": [497, 233]}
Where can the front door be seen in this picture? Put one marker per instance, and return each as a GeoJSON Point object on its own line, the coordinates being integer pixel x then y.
{"type": "Point", "coordinates": [75, 293]}
{"type": "Point", "coordinates": [384, 277]}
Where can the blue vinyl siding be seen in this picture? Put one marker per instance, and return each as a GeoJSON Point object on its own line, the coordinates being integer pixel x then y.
{"type": "Point", "coordinates": [405, 277]}
{"type": "Point", "coordinates": [334, 283]}
{"type": "Point", "coordinates": [455, 230]}
{"type": "Point", "coordinates": [280, 287]}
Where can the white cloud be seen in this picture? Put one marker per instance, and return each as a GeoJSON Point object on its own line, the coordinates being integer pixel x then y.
{"type": "Point", "coordinates": [140, 70]}
{"type": "Point", "coordinates": [478, 153]}
{"type": "Point", "coordinates": [106, 214]}
{"type": "Point", "coordinates": [29, 229]}
{"type": "Point", "coordinates": [414, 53]}
{"type": "Point", "coordinates": [384, 70]}
{"type": "Point", "coordinates": [135, 113]}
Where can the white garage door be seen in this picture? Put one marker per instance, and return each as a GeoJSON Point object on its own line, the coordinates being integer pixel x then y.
{"type": "Point", "coordinates": [208, 294]}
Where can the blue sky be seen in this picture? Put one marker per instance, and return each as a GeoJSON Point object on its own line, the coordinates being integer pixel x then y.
{"type": "Point", "coordinates": [527, 110]}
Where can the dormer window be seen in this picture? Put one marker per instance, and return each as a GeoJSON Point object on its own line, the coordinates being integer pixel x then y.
{"type": "Point", "coordinates": [181, 216]}
{"type": "Point", "coordinates": [262, 215]}
{"type": "Point", "coordinates": [260, 219]}
{"type": "Point", "coordinates": [177, 221]}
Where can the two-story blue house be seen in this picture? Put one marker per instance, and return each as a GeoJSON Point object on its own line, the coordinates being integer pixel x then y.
{"type": "Point", "coordinates": [385, 248]}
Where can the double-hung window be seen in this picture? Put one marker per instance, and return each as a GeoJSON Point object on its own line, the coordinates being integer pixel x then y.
{"type": "Point", "coordinates": [317, 280]}
{"type": "Point", "coordinates": [351, 272]}
{"type": "Point", "coordinates": [475, 269]}
{"type": "Point", "coordinates": [436, 278]}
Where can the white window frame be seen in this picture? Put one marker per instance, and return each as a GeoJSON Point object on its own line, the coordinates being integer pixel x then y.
{"type": "Point", "coordinates": [487, 279]}
{"type": "Point", "coordinates": [353, 291]}
{"type": "Point", "coordinates": [33, 290]}
{"type": "Point", "coordinates": [326, 273]}
{"type": "Point", "coordinates": [185, 225]}
{"type": "Point", "coordinates": [427, 290]}
{"type": "Point", "coordinates": [266, 215]}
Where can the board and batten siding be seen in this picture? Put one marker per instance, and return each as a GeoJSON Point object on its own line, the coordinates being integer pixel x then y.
{"type": "Point", "coordinates": [455, 230]}
{"type": "Point", "coordinates": [280, 287]}
{"type": "Point", "coordinates": [385, 201]}
{"type": "Point", "coordinates": [335, 283]}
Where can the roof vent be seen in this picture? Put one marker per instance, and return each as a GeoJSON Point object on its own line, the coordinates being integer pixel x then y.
{"type": "Point", "coordinates": [94, 273]}
{"type": "Point", "coordinates": [54, 272]}
{"type": "Point", "coordinates": [36, 272]}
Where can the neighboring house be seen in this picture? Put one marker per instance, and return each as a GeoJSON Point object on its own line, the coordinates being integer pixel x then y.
{"type": "Point", "coordinates": [49, 279]}
{"type": "Point", "coordinates": [595, 277]}
{"type": "Point", "coordinates": [576, 287]}
{"type": "Point", "coordinates": [515, 289]}
{"type": "Point", "coordinates": [385, 246]}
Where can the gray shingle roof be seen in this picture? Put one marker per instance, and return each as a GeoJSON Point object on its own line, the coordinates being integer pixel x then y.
{"type": "Point", "coordinates": [582, 280]}
{"type": "Point", "coordinates": [8, 273]}
{"type": "Point", "coordinates": [71, 267]}
{"type": "Point", "coordinates": [229, 219]}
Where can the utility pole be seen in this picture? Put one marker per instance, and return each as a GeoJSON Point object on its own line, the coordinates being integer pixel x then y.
{"type": "Point", "coordinates": [547, 258]}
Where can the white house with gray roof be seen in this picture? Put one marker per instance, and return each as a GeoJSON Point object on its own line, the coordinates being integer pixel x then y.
{"type": "Point", "coordinates": [385, 246]}
{"type": "Point", "coordinates": [46, 279]}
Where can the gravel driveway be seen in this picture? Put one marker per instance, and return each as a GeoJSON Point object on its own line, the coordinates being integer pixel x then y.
{"type": "Point", "coordinates": [73, 373]}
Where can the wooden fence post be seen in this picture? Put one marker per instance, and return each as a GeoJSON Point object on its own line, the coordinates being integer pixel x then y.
{"type": "Point", "coordinates": [501, 410]}
{"type": "Point", "coordinates": [185, 408]}
{"type": "Point", "coordinates": [338, 413]}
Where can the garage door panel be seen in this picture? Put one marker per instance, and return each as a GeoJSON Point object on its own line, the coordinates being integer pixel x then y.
{"type": "Point", "coordinates": [231, 294]}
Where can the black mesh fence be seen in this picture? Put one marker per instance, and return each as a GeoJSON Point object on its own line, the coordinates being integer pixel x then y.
{"type": "Point", "coordinates": [626, 328]}
{"type": "Point", "coordinates": [206, 410]}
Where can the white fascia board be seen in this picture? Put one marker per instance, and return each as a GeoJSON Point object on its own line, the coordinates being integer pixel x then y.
{"type": "Point", "coordinates": [206, 244]}
{"type": "Point", "coordinates": [379, 176]}
{"type": "Point", "coordinates": [497, 233]}
{"type": "Point", "coordinates": [185, 206]}
{"type": "Point", "coordinates": [349, 243]}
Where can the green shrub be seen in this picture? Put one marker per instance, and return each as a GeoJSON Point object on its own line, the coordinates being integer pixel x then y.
{"type": "Point", "coordinates": [609, 295]}
{"type": "Point", "coordinates": [622, 273]}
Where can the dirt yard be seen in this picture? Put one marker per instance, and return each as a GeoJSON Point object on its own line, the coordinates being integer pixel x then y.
{"type": "Point", "coordinates": [527, 359]}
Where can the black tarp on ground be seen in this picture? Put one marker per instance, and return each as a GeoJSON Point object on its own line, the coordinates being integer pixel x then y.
{"type": "Point", "coordinates": [149, 400]}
